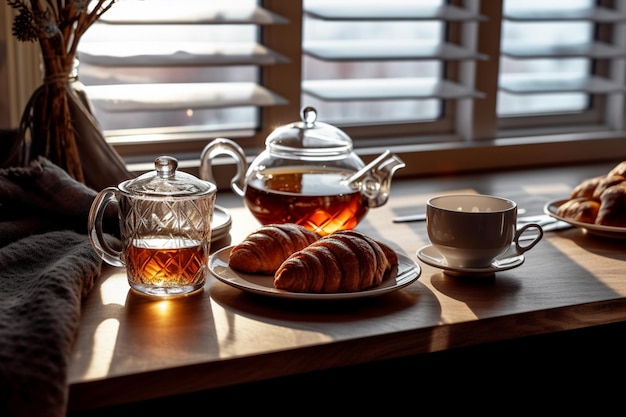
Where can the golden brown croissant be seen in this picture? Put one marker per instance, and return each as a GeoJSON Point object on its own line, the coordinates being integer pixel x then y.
{"type": "Point", "coordinates": [579, 209]}
{"type": "Point", "coordinates": [599, 200]}
{"type": "Point", "coordinates": [619, 169]}
{"type": "Point", "coordinates": [262, 251]}
{"type": "Point", "coordinates": [606, 182]}
{"type": "Point", "coordinates": [344, 261]}
{"type": "Point", "coordinates": [586, 188]}
{"type": "Point", "coordinates": [613, 206]}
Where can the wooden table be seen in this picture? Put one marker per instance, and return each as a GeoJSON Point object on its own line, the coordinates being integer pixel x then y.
{"type": "Point", "coordinates": [130, 348]}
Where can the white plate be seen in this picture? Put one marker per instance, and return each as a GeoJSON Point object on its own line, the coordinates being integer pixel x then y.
{"type": "Point", "coordinates": [408, 272]}
{"type": "Point", "coordinates": [221, 223]}
{"type": "Point", "coordinates": [431, 256]}
{"type": "Point", "coordinates": [596, 229]}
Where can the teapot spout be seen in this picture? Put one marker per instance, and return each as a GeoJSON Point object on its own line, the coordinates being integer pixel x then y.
{"type": "Point", "coordinates": [374, 180]}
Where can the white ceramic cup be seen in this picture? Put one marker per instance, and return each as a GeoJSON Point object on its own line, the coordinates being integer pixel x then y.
{"type": "Point", "coordinates": [472, 230]}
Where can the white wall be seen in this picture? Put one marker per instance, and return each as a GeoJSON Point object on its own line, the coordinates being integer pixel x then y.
{"type": "Point", "coordinates": [20, 71]}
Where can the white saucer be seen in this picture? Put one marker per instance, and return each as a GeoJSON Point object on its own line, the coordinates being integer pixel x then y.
{"type": "Point", "coordinates": [508, 260]}
{"type": "Point", "coordinates": [221, 223]}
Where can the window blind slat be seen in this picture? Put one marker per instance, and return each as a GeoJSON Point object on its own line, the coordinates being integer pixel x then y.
{"type": "Point", "coordinates": [389, 11]}
{"type": "Point", "coordinates": [179, 96]}
{"type": "Point", "coordinates": [597, 50]}
{"type": "Point", "coordinates": [593, 14]}
{"type": "Point", "coordinates": [386, 89]}
{"type": "Point", "coordinates": [558, 83]}
{"type": "Point", "coordinates": [145, 54]}
{"type": "Point", "coordinates": [126, 13]}
{"type": "Point", "coordinates": [354, 50]}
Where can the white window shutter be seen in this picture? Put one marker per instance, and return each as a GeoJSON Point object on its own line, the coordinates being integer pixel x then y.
{"type": "Point", "coordinates": [148, 62]}
{"type": "Point", "coordinates": [391, 37]}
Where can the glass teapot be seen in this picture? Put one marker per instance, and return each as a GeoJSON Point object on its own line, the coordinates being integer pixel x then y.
{"type": "Point", "coordinates": [307, 174]}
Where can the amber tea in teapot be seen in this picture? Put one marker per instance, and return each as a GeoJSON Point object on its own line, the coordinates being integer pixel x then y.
{"type": "Point", "coordinates": [315, 198]}
{"type": "Point", "coordinates": [307, 174]}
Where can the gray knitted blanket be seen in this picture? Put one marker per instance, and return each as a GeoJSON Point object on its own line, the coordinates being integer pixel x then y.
{"type": "Point", "coordinates": [47, 266]}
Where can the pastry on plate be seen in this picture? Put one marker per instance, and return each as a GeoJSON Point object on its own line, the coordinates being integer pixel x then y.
{"type": "Point", "coordinates": [262, 251]}
{"type": "Point", "coordinates": [579, 209]}
{"type": "Point", "coordinates": [613, 206]}
{"type": "Point", "coordinates": [599, 200]}
{"type": "Point", "coordinates": [344, 261]}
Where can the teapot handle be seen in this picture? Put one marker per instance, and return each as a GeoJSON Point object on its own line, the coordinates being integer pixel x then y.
{"type": "Point", "coordinates": [223, 146]}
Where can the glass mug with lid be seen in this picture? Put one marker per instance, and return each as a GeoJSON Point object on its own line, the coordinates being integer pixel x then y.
{"type": "Point", "coordinates": [165, 226]}
{"type": "Point", "coordinates": [307, 174]}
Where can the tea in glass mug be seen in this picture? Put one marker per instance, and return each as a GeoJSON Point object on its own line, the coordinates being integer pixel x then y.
{"type": "Point", "coordinates": [165, 225]}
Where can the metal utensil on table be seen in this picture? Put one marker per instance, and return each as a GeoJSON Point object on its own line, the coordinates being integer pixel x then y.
{"type": "Point", "coordinates": [547, 223]}
{"type": "Point", "coordinates": [543, 220]}
{"type": "Point", "coordinates": [420, 217]}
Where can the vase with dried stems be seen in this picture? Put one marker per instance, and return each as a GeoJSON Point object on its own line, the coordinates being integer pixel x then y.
{"type": "Point", "coordinates": [57, 122]}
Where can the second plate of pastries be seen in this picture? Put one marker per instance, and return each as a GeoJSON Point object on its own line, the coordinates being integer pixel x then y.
{"type": "Point", "coordinates": [613, 232]}
{"type": "Point", "coordinates": [596, 204]}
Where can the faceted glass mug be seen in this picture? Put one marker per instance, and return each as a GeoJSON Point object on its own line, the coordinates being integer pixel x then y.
{"type": "Point", "coordinates": [165, 229]}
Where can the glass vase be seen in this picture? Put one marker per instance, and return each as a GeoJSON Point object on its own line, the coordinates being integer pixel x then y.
{"type": "Point", "coordinates": [58, 124]}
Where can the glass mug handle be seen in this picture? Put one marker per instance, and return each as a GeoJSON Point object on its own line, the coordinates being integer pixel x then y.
{"type": "Point", "coordinates": [521, 249]}
{"type": "Point", "coordinates": [94, 227]}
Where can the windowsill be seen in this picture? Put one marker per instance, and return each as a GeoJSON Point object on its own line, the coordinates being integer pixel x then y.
{"type": "Point", "coordinates": [425, 160]}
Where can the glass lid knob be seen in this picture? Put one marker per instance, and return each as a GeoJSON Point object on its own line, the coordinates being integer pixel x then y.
{"type": "Point", "coordinates": [166, 166]}
{"type": "Point", "coordinates": [308, 116]}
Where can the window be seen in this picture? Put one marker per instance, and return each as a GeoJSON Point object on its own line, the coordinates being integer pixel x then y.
{"type": "Point", "coordinates": [528, 63]}
{"type": "Point", "coordinates": [449, 85]}
{"type": "Point", "coordinates": [566, 70]}
{"type": "Point", "coordinates": [167, 76]}
{"type": "Point", "coordinates": [360, 68]}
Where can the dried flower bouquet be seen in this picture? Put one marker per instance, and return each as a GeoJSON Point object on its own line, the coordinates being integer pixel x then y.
{"type": "Point", "coordinates": [55, 116]}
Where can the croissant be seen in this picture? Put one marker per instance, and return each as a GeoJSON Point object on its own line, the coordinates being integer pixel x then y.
{"type": "Point", "coordinates": [619, 169]}
{"type": "Point", "coordinates": [606, 182]}
{"type": "Point", "coordinates": [262, 251]}
{"type": "Point", "coordinates": [344, 261]}
{"type": "Point", "coordinates": [613, 206]}
{"type": "Point", "coordinates": [600, 200]}
{"type": "Point", "coordinates": [586, 188]}
{"type": "Point", "coordinates": [579, 209]}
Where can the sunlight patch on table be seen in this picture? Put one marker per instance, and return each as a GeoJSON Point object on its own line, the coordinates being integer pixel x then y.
{"type": "Point", "coordinates": [419, 200]}
{"type": "Point", "coordinates": [241, 335]}
{"type": "Point", "coordinates": [104, 339]}
{"type": "Point", "coordinates": [110, 289]}
{"type": "Point", "coordinates": [550, 189]}
{"type": "Point", "coordinates": [598, 262]}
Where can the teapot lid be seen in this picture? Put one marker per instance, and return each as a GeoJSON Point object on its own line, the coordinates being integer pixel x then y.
{"type": "Point", "coordinates": [166, 181]}
{"type": "Point", "coordinates": [309, 137]}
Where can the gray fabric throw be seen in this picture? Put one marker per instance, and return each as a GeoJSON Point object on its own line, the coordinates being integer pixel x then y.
{"type": "Point", "coordinates": [47, 266]}
{"type": "Point", "coordinates": [40, 198]}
